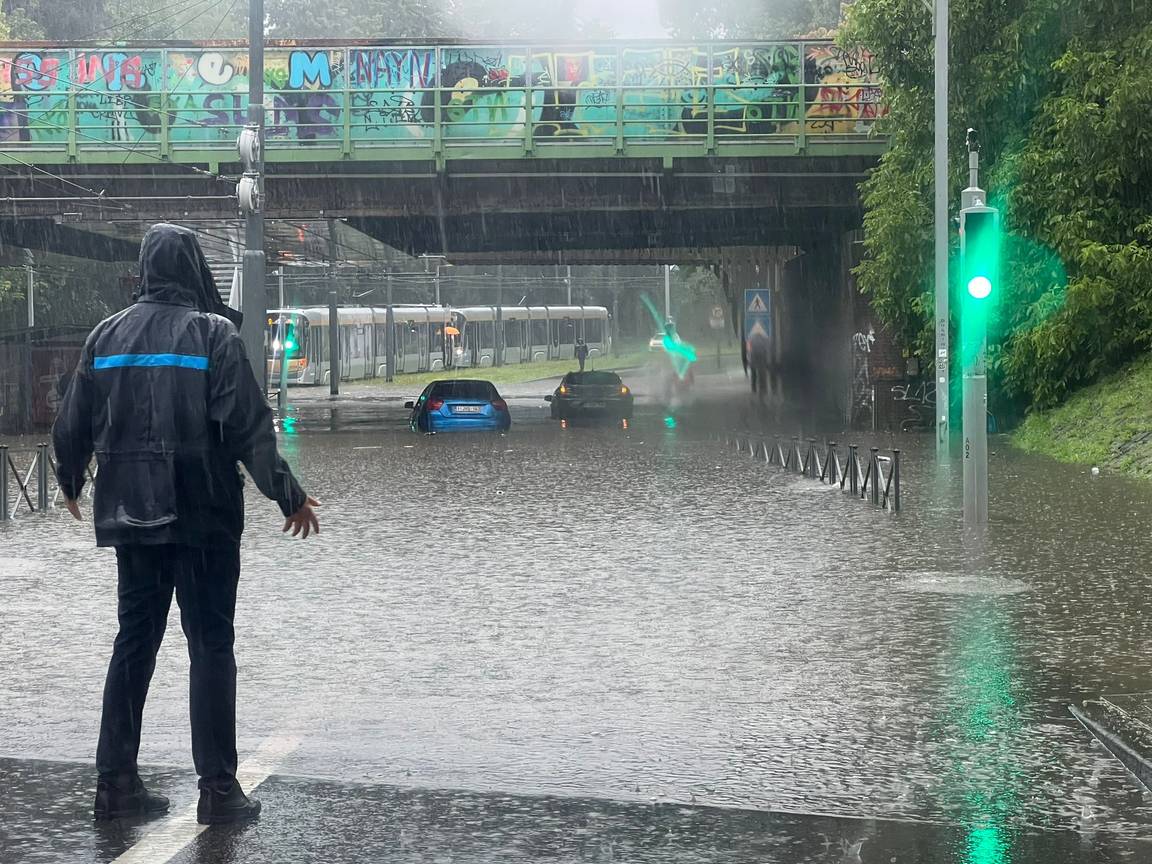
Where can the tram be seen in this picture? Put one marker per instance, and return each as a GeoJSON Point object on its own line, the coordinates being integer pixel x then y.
{"type": "Point", "coordinates": [428, 338]}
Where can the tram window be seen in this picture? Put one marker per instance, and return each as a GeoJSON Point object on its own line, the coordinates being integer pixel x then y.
{"type": "Point", "coordinates": [511, 334]}
{"type": "Point", "coordinates": [539, 331]}
{"type": "Point", "coordinates": [594, 330]}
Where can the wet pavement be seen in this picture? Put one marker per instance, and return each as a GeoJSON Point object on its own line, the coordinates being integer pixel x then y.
{"type": "Point", "coordinates": [607, 644]}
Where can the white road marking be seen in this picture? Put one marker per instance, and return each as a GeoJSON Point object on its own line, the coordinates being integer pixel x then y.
{"type": "Point", "coordinates": [174, 833]}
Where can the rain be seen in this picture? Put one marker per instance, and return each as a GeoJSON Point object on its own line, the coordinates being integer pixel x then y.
{"type": "Point", "coordinates": [597, 505]}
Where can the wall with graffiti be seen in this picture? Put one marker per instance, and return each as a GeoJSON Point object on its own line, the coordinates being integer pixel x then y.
{"type": "Point", "coordinates": [322, 96]}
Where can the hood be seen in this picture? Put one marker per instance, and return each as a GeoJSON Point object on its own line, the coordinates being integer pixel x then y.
{"type": "Point", "coordinates": [173, 269]}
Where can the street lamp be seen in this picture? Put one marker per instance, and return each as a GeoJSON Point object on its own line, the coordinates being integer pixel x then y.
{"type": "Point", "coordinates": [939, 10]}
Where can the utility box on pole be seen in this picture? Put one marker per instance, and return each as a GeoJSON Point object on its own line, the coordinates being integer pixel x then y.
{"type": "Point", "coordinates": [980, 285]}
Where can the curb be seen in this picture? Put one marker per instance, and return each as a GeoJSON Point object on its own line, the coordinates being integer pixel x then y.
{"type": "Point", "coordinates": [1138, 764]}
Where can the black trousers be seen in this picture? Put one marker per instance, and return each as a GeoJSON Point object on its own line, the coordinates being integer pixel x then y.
{"type": "Point", "coordinates": [205, 583]}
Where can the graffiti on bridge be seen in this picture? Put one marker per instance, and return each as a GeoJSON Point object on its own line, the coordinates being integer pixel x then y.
{"type": "Point", "coordinates": [395, 93]}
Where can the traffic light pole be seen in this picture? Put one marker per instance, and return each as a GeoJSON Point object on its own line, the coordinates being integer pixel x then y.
{"type": "Point", "coordinates": [978, 265]}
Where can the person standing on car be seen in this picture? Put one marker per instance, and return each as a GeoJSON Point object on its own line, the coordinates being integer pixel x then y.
{"type": "Point", "coordinates": [581, 353]}
{"type": "Point", "coordinates": [164, 396]}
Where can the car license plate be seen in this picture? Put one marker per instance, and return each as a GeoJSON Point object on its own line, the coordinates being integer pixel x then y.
{"type": "Point", "coordinates": [593, 404]}
{"type": "Point", "coordinates": [466, 409]}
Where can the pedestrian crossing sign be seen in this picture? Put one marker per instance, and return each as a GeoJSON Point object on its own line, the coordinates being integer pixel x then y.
{"type": "Point", "coordinates": [757, 313]}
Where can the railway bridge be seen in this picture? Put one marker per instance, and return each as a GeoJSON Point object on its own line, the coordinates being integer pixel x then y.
{"type": "Point", "coordinates": [743, 155]}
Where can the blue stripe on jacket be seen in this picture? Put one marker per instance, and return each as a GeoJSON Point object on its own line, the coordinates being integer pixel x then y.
{"type": "Point", "coordinates": [181, 361]}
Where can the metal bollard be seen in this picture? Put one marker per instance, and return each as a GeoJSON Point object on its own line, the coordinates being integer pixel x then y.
{"type": "Point", "coordinates": [853, 470]}
{"type": "Point", "coordinates": [831, 464]}
{"type": "Point", "coordinates": [874, 468]}
{"type": "Point", "coordinates": [896, 481]}
{"type": "Point", "coordinates": [3, 483]}
{"type": "Point", "coordinates": [42, 478]}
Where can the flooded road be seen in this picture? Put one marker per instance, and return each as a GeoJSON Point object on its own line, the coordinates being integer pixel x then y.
{"type": "Point", "coordinates": [643, 615]}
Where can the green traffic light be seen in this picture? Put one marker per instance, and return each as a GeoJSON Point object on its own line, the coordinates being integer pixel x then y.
{"type": "Point", "coordinates": [980, 287]}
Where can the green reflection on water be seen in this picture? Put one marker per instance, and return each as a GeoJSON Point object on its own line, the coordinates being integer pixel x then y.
{"type": "Point", "coordinates": [983, 780]}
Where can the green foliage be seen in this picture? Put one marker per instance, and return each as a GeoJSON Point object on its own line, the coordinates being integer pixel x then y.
{"type": "Point", "coordinates": [1061, 91]}
{"type": "Point", "coordinates": [748, 19]}
{"type": "Point", "coordinates": [337, 19]}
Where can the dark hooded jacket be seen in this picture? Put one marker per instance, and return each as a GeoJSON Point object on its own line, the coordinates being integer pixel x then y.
{"type": "Point", "coordinates": [165, 398]}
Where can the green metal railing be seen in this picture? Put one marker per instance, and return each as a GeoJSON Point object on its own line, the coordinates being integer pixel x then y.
{"type": "Point", "coordinates": [437, 102]}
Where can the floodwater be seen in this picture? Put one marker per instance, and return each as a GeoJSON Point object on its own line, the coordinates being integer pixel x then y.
{"type": "Point", "coordinates": [642, 615]}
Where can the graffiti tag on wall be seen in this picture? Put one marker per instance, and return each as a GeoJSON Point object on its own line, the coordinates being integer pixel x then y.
{"type": "Point", "coordinates": [320, 95]}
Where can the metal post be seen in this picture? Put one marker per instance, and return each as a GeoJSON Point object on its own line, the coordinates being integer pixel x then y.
{"type": "Point", "coordinates": [667, 292]}
{"type": "Point", "coordinates": [27, 380]}
{"type": "Point", "coordinates": [498, 360]}
{"type": "Point", "coordinates": [390, 334]}
{"type": "Point", "coordinates": [853, 470]}
{"type": "Point", "coordinates": [874, 470]}
{"type": "Point", "coordinates": [3, 483]}
{"type": "Point", "coordinates": [333, 344]}
{"type": "Point", "coordinates": [940, 219]}
{"type": "Point", "coordinates": [896, 480]}
{"type": "Point", "coordinates": [253, 302]}
{"type": "Point", "coordinates": [31, 296]}
{"type": "Point", "coordinates": [437, 284]}
{"type": "Point", "coordinates": [568, 282]}
{"type": "Point", "coordinates": [282, 395]}
{"type": "Point", "coordinates": [42, 478]}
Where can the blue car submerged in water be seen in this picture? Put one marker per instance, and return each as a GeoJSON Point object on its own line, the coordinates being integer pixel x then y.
{"type": "Point", "coordinates": [460, 406]}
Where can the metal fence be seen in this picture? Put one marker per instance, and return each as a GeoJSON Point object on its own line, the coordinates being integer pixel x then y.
{"type": "Point", "coordinates": [35, 487]}
{"type": "Point", "coordinates": [872, 477]}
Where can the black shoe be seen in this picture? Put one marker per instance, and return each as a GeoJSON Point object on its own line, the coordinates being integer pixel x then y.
{"type": "Point", "coordinates": [217, 808]}
{"type": "Point", "coordinates": [115, 801]}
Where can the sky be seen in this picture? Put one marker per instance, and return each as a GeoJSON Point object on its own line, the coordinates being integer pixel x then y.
{"type": "Point", "coordinates": [629, 19]}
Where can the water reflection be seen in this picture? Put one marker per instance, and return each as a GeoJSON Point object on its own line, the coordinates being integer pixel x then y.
{"type": "Point", "coordinates": [641, 615]}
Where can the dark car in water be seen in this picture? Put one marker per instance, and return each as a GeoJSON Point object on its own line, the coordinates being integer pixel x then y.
{"type": "Point", "coordinates": [591, 395]}
{"type": "Point", "coordinates": [460, 406]}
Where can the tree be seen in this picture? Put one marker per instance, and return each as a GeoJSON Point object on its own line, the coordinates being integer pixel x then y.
{"type": "Point", "coordinates": [363, 19]}
{"type": "Point", "coordinates": [748, 19]}
{"type": "Point", "coordinates": [1059, 91]}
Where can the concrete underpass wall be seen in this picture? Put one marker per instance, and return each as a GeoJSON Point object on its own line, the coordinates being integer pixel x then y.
{"type": "Point", "coordinates": [838, 363]}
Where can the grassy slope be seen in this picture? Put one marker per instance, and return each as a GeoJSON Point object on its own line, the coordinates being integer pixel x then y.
{"type": "Point", "coordinates": [1108, 424]}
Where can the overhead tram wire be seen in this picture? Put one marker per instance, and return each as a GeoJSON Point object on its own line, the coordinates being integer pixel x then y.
{"type": "Point", "coordinates": [141, 15]}
{"type": "Point", "coordinates": [130, 36]}
{"type": "Point", "coordinates": [93, 192]}
{"type": "Point", "coordinates": [134, 149]}
{"type": "Point", "coordinates": [184, 74]}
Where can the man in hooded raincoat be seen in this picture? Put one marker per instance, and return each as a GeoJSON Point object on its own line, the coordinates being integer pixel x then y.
{"type": "Point", "coordinates": [165, 398]}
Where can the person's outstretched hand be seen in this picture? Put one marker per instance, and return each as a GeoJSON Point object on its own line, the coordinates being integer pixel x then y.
{"type": "Point", "coordinates": [304, 519]}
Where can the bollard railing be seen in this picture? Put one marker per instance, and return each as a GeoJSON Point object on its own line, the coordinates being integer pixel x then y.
{"type": "Point", "coordinates": [877, 479]}
{"type": "Point", "coordinates": [40, 475]}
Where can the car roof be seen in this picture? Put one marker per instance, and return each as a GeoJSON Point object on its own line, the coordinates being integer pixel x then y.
{"type": "Point", "coordinates": [591, 373]}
